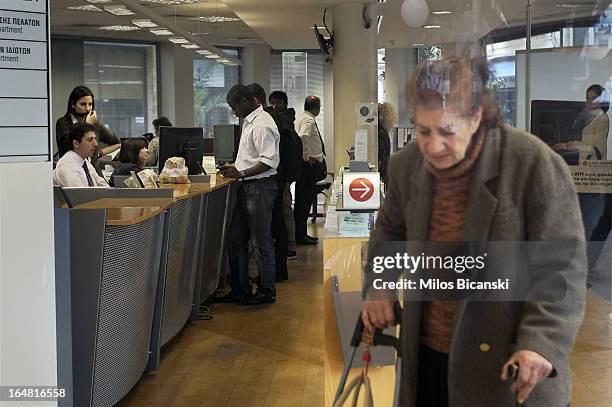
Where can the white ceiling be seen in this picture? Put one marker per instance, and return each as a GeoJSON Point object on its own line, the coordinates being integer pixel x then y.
{"type": "Point", "coordinates": [286, 24]}
{"type": "Point", "coordinates": [86, 23]}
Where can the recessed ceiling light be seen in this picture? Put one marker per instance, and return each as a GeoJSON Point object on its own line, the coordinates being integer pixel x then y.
{"type": "Point", "coordinates": [214, 19]}
{"type": "Point", "coordinates": [431, 27]}
{"type": "Point", "coordinates": [161, 31]}
{"type": "Point", "coordinates": [170, 1]}
{"type": "Point", "coordinates": [204, 52]}
{"type": "Point", "coordinates": [197, 33]}
{"type": "Point", "coordinates": [441, 12]}
{"type": "Point", "coordinates": [576, 5]}
{"type": "Point", "coordinates": [88, 7]}
{"type": "Point", "coordinates": [418, 45]}
{"type": "Point", "coordinates": [119, 28]}
{"type": "Point", "coordinates": [99, 1]}
{"type": "Point", "coordinates": [213, 56]}
{"type": "Point", "coordinates": [119, 10]}
{"type": "Point", "coordinates": [178, 40]}
{"type": "Point", "coordinates": [144, 23]}
{"type": "Point", "coordinates": [190, 46]}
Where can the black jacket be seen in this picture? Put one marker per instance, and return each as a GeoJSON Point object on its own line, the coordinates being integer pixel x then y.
{"type": "Point", "coordinates": [124, 169]}
{"type": "Point", "coordinates": [384, 151]}
{"type": "Point", "coordinates": [290, 146]}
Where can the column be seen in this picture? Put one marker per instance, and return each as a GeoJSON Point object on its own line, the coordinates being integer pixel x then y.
{"type": "Point", "coordinates": [400, 64]}
{"type": "Point", "coordinates": [256, 66]}
{"type": "Point", "coordinates": [177, 84]}
{"type": "Point", "coordinates": [355, 78]}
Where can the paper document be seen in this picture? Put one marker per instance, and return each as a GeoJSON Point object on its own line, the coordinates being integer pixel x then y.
{"type": "Point", "coordinates": [361, 145]}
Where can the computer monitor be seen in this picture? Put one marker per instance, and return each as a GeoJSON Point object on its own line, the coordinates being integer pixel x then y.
{"type": "Point", "coordinates": [186, 142]}
{"type": "Point", "coordinates": [556, 121]}
{"type": "Point", "coordinates": [209, 146]}
{"type": "Point", "coordinates": [227, 138]}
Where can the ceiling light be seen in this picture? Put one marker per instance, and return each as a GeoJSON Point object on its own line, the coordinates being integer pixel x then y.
{"type": "Point", "coordinates": [88, 7]}
{"type": "Point", "coordinates": [431, 27]}
{"type": "Point", "coordinates": [196, 33]}
{"type": "Point", "coordinates": [223, 60]}
{"type": "Point", "coordinates": [170, 1]}
{"type": "Point", "coordinates": [161, 31]}
{"type": "Point", "coordinates": [99, 1]}
{"type": "Point", "coordinates": [178, 40]}
{"type": "Point", "coordinates": [204, 52]}
{"type": "Point", "coordinates": [144, 23]}
{"type": "Point", "coordinates": [577, 5]}
{"type": "Point", "coordinates": [190, 46]}
{"type": "Point", "coordinates": [119, 28]}
{"type": "Point", "coordinates": [119, 10]}
{"type": "Point", "coordinates": [441, 12]}
{"type": "Point", "coordinates": [213, 56]}
{"type": "Point", "coordinates": [214, 19]}
{"type": "Point", "coordinates": [418, 45]}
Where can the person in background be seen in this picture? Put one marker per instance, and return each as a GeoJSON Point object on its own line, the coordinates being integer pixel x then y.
{"type": "Point", "coordinates": [470, 178]}
{"type": "Point", "coordinates": [386, 120]}
{"type": "Point", "coordinates": [313, 155]}
{"type": "Point", "coordinates": [279, 102]}
{"type": "Point", "coordinates": [255, 169]}
{"type": "Point", "coordinates": [279, 229]}
{"type": "Point", "coordinates": [81, 110]}
{"type": "Point", "coordinates": [596, 125]}
{"type": "Point", "coordinates": [131, 156]}
{"type": "Point", "coordinates": [74, 168]}
{"type": "Point", "coordinates": [153, 150]}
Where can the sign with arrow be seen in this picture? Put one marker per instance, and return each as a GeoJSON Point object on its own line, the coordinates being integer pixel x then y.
{"type": "Point", "coordinates": [361, 191]}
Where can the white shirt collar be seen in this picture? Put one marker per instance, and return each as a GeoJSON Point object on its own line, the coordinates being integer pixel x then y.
{"type": "Point", "coordinates": [309, 114]}
{"type": "Point", "coordinates": [76, 158]}
{"type": "Point", "coordinates": [249, 119]}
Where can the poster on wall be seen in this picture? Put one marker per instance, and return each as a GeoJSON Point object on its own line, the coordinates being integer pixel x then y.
{"type": "Point", "coordinates": [366, 114]}
{"type": "Point", "coordinates": [24, 67]}
{"type": "Point", "coordinates": [592, 177]}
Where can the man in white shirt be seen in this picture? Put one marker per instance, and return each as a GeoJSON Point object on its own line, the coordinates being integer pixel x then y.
{"type": "Point", "coordinates": [313, 156]}
{"type": "Point", "coordinates": [255, 168]}
{"type": "Point", "coordinates": [74, 169]}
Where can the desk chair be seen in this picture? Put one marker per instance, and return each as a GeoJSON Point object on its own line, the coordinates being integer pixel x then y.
{"type": "Point", "coordinates": [320, 188]}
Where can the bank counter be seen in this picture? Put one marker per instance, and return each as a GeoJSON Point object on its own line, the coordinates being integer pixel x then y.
{"type": "Point", "coordinates": [132, 268]}
{"type": "Point", "coordinates": [343, 254]}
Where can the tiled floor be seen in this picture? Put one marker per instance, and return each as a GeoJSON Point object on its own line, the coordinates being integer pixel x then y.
{"type": "Point", "coordinates": [273, 355]}
{"type": "Point", "coordinates": [248, 356]}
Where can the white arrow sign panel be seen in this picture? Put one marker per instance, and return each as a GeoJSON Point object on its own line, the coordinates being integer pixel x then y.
{"type": "Point", "coordinates": [361, 190]}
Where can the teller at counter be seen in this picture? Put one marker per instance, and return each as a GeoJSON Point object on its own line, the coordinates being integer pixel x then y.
{"type": "Point", "coordinates": [132, 157]}
{"type": "Point", "coordinates": [74, 168]}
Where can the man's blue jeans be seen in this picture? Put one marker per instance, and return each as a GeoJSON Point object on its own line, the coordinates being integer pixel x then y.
{"type": "Point", "coordinates": [252, 219]}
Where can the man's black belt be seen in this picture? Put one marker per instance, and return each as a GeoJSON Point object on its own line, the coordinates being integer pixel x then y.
{"type": "Point", "coordinates": [250, 181]}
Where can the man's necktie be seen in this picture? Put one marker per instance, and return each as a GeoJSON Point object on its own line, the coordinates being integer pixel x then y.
{"type": "Point", "coordinates": [88, 175]}
{"type": "Point", "coordinates": [320, 138]}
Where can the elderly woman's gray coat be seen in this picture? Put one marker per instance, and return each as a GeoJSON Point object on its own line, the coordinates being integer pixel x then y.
{"type": "Point", "coordinates": [520, 191]}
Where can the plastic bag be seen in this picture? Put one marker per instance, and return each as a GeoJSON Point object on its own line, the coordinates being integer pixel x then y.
{"type": "Point", "coordinates": [174, 172]}
{"type": "Point", "coordinates": [148, 178]}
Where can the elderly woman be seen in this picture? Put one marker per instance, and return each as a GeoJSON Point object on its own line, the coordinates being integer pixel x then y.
{"type": "Point", "coordinates": [468, 177]}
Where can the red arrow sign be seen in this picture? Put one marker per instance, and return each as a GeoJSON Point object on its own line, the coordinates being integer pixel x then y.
{"type": "Point", "coordinates": [361, 189]}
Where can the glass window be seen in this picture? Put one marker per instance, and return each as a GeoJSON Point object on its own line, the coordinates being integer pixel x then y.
{"type": "Point", "coordinates": [211, 82]}
{"type": "Point", "coordinates": [123, 78]}
{"type": "Point", "coordinates": [299, 74]}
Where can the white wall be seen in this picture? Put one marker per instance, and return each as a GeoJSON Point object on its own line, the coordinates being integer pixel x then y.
{"type": "Point", "coordinates": [27, 277]}
{"type": "Point", "coordinates": [560, 74]}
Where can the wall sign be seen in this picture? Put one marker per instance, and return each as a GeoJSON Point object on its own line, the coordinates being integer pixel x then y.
{"type": "Point", "coordinates": [24, 74]}
{"type": "Point", "coordinates": [360, 190]}
{"type": "Point", "coordinates": [592, 177]}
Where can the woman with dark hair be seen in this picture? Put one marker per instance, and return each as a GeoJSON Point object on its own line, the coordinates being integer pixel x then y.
{"type": "Point", "coordinates": [471, 181]}
{"type": "Point", "coordinates": [596, 125]}
{"type": "Point", "coordinates": [386, 120]}
{"type": "Point", "coordinates": [80, 109]}
{"type": "Point", "coordinates": [131, 156]}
